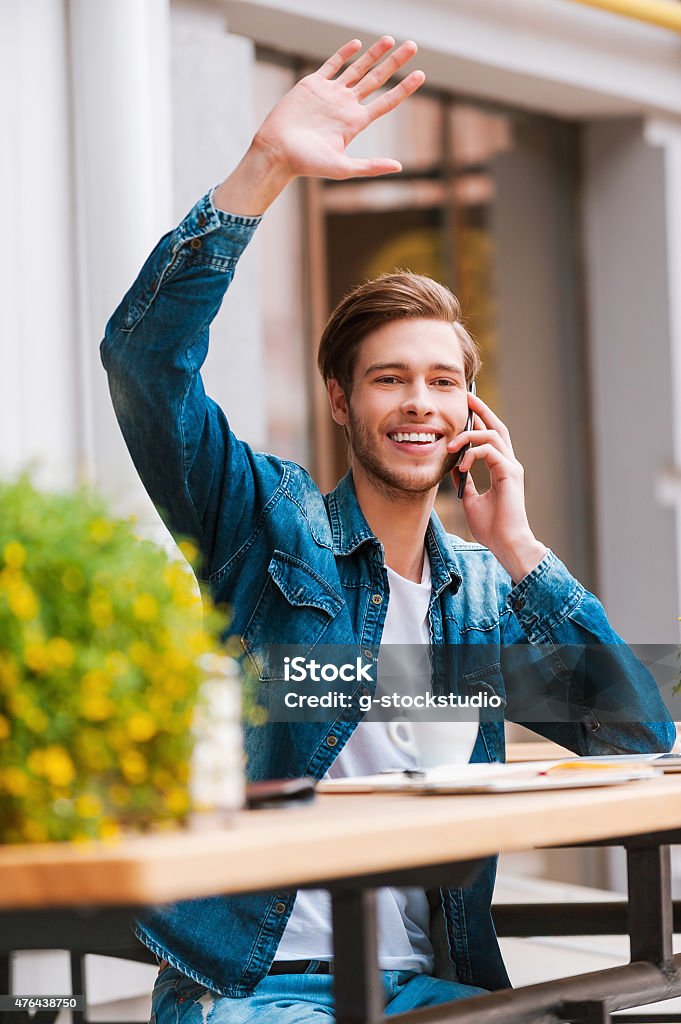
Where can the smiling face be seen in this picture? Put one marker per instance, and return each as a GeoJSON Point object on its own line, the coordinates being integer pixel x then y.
{"type": "Point", "coordinates": [408, 400]}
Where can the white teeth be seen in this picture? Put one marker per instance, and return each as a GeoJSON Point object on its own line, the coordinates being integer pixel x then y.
{"type": "Point", "coordinates": [422, 438]}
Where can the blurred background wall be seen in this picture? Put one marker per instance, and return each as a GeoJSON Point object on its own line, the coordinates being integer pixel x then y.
{"type": "Point", "coordinates": [542, 182]}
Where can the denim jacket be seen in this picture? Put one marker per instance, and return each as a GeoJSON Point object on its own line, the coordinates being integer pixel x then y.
{"type": "Point", "coordinates": [300, 568]}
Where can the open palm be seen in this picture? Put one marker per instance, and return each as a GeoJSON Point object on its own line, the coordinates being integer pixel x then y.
{"type": "Point", "coordinates": [310, 128]}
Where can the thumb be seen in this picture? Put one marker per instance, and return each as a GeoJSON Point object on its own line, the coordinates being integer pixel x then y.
{"type": "Point", "coordinates": [352, 168]}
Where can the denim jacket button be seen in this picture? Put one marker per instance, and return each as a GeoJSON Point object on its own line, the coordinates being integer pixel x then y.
{"type": "Point", "coordinates": [279, 908]}
{"type": "Point", "coordinates": [201, 220]}
{"type": "Point", "coordinates": [331, 741]}
{"type": "Point", "coordinates": [519, 604]}
{"type": "Point", "coordinates": [376, 599]}
{"type": "Point", "coordinates": [368, 654]}
{"type": "Point", "coordinates": [196, 243]}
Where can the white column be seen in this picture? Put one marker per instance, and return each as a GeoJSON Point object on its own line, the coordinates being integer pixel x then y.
{"type": "Point", "coordinates": [213, 123]}
{"type": "Point", "coordinates": [123, 173]}
{"type": "Point", "coordinates": [38, 395]}
{"type": "Point", "coordinates": [667, 135]}
{"type": "Point", "coordinates": [631, 238]}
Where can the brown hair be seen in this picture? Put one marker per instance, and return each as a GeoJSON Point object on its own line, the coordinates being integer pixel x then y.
{"type": "Point", "coordinates": [397, 296]}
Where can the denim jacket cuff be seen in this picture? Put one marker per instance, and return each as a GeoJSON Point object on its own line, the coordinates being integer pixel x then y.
{"type": "Point", "coordinates": [545, 597]}
{"type": "Point", "coordinates": [214, 232]}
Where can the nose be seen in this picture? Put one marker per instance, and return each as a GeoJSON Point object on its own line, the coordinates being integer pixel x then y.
{"type": "Point", "coordinates": [417, 402]}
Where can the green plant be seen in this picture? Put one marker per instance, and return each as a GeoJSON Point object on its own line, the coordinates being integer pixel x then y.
{"type": "Point", "coordinates": [100, 633]}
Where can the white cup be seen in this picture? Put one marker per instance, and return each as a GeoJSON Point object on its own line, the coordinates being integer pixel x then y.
{"type": "Point", "coordinates": [435, 743]}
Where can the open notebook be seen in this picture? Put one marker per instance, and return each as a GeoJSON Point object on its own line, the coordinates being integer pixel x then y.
{"type": "Point", "coordinates": [502, 778]}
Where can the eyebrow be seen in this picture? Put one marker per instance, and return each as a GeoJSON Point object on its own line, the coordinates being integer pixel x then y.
{"type": "Point", "coordinates": [441, 367]}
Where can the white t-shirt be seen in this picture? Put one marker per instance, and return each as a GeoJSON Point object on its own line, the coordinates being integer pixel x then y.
{"type": "Point", "coordinates": [403, 914]}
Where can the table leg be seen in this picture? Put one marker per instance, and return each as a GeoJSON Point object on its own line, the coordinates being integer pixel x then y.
{"type": "Point", "coordinates": [358, 986]}
{"type": "Point", "coordinates": [650, 910]}
{"type": "Point", "coordinates": [589, 1012]}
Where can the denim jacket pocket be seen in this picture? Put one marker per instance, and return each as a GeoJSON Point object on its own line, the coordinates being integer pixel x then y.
{"type": "Point", "coordinates": [489, 682]}
{"type": "Point", "coordinates": [291, 615]}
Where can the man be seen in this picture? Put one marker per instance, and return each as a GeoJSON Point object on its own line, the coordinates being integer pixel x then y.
{"type": "Point", "coordinates": [368, 563]}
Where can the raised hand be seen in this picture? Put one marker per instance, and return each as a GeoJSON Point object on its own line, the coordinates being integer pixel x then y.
{"type": "Point", "coordinates": [497, 518]}
{"type": "Point", "coordinates": [308, 131]}
{"type": "Point", "coordinates": [310, 128]}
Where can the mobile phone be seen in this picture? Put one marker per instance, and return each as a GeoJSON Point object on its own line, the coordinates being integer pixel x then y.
{"type": "Point", "coordinates": [279, 792]}
{"type": "Point", "coordinates": [462, 451]}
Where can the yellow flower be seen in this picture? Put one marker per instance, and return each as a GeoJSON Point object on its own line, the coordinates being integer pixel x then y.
{"type": "Point", "coordinates": [23, 601]}
{"type": "Point", "coordinates": [141, 727]}
{"type": "Point", "coordinates": [9, 676]}
{"type": "Point", "coordinates": [158, 705]}
{"type": "Point", "coordinates": [14, 781]}
{"type": "Point", "coordinates": [109, 829]}
{"type": "Point", "coordinates": [177, 801]}
{"type": "Point", "coordinates": [20, 704]}
{"type": "Point", "coordinates": [35, 761]}
{"type": "Point", "coordinates": [4, 728]}
{"type": "Point", "coordinates": [96, 707]}
{"type": "Point", "coordinates": [14, 554]}
{"type": "Point", "coordinates": [57, 766]}
{"type": "Point", "coordinates": [88, 806]}
{"type": "Point", "coordinates": [175, 686]}
{"type": "Point", "coordinates": [96, 681]}
{"type": "Point", "coordinates": [133, 766]}
{"type": "Point", "coordinates": [36, 656]}
{"type": "Point", "coordinates": [163, 778]}
{"type": "Point", "coordinates": [140, 654]}
{"type": "Point", "coordinates": [61, 652]}
{"type": "Point", "coordinates": [101, 531]}
{"type": "Point", "coordinates": [145, 608]}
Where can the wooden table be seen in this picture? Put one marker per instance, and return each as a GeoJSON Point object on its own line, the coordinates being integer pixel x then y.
{"type": "Point", "coordinates": [68, 896]}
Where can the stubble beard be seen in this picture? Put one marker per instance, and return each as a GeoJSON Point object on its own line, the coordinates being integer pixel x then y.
{"type": "Point", "coordinates": [398, 486]}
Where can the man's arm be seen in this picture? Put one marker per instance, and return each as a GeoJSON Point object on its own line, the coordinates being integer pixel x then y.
{"type": "Point", "coordinates": [191, 464]}
{"type": "Point", "coordinates": [568, 675]}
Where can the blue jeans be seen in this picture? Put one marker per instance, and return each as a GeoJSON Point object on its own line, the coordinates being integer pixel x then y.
{"type": "Point", "coordinates": [289, 998]}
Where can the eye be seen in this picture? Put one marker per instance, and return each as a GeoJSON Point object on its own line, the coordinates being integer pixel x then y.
{"type": "Point", "coordinates": [387, 380]}
{"type": "Point", "coordinates": [446, 382]}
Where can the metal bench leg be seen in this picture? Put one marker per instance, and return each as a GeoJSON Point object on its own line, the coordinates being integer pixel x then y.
{"type": "Point", "coordinates": [358, 985]}
{"type": "Point", "coordinates": [650, 914]}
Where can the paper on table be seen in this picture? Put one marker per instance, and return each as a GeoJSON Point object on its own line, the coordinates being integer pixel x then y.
{"type": "Point", "coordinates": [493, 778]}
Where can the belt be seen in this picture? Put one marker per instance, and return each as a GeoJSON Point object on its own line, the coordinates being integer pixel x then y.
{"type": "Point", "coordinates": [301, 967]}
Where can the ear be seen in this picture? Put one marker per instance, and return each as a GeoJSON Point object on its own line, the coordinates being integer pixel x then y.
{"type": "Point", "coordinates": [339, 405]}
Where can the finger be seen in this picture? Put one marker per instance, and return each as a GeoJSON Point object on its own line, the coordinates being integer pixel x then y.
{"type": "Point", "coordinates": [336, 61]}
{"type": "Point", "coordinates": [380, 74]}
{"type": "Point", "coordinates": [491, 455]}
{"type": "Point", "coordinates": [478, 437]}
{"type": "Point", "coordinates": [489, 418]}
{"type": "Point", "coordinates": [393, 98]}
{"type": "Point", "coordinates": [359, 67]}
{"type": "Point", "coordinates": [349, 168]}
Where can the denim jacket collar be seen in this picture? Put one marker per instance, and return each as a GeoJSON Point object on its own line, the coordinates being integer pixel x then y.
{"type": "Point", "coordinates": [350, 530]}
